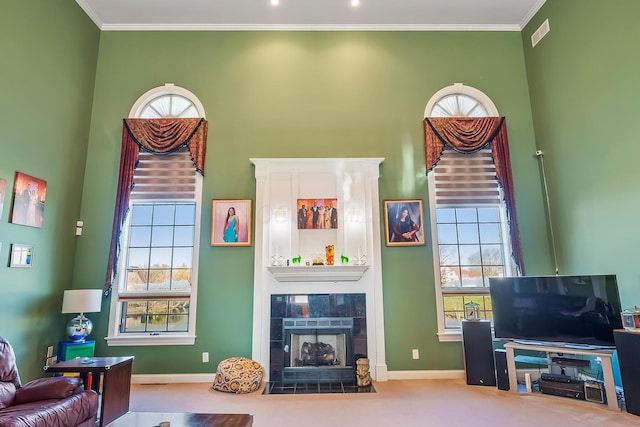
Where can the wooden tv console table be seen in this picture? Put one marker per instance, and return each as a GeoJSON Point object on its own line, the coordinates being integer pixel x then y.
{"type": "Point", "coordinates": [604, 354]}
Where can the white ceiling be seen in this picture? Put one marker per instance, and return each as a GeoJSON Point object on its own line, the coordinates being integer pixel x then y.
{"type": "Point", "coordinates": [376, 15]}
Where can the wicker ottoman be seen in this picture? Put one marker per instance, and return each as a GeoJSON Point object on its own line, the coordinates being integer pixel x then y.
{"type": "Point", "coordinates": [238, 375]}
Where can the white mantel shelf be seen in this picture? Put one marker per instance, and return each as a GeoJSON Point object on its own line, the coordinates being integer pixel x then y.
{"type": "Point", "coordinates": [319, 273]}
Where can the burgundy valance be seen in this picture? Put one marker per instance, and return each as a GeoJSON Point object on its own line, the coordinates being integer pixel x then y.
{"type": "Point", "coordinates": [468, 135]}
{"type": "Point", "coordinates": [167, 135]}
{"type": "Point", "coordinates": [160, 136]}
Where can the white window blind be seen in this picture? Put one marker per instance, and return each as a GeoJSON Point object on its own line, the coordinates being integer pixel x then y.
{"type": "Point", "coordinates": [164, 176]}
{"type": "Point", "coordinates": [466, 179]}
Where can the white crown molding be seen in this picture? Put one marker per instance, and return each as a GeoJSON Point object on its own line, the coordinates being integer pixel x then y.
{"type": "Point", "coordinates": [536, 7]}
{"type": "Point", "coordinates": [310, 27]}
{"type": "Point", "coordinates": [91, 13]}
{"type": "Point", "coordinates": [103, 26]}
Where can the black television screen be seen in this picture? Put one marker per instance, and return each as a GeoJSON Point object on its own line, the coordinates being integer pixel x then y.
{"type": "Point", "coordinates": [566, 309]}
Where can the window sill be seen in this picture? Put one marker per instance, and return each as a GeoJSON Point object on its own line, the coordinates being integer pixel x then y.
{"type": "Point", "coordinates": [146, 339]}
{"type": "Point", "coordinates": [450, 336]}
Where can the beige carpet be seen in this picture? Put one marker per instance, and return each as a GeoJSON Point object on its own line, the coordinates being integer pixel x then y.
{"type": "Point", "coordinates": [397, 403]}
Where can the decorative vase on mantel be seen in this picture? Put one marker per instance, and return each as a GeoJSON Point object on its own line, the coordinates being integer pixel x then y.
{"type": "Point", "coordinates": [329, 254]}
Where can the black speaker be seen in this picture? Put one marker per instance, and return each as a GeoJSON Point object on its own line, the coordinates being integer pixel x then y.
{"type": "Point", "coordinates": [628, 346]}
{"type": "Point", "coordinates": [477, 345]}
{"type": "Point", "coordinates": [502, 374]}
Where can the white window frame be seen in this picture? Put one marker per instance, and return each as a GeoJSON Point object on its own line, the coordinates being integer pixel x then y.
{"type": "Point", "coordinates": [444, 334]}
{"type": "Point", "coordinates": [115, 337]}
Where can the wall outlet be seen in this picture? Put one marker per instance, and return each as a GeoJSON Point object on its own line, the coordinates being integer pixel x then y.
{"type": "Point", "coordinates": [415, 353]}
{"type": "Point", "coordinates": [205, 357]}
{"type": "Point", "coordinates": [79, 225]}
{"type": "Point", "coordinates": [49, 351]}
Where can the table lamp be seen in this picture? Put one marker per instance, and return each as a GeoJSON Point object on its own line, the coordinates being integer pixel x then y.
{"type": "Point", "coordinates": [81, 301]}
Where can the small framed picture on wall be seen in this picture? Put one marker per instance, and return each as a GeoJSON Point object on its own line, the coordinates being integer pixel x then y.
{"type": "Point", "coordinates": [21, 256]}
{"type": "Point", "coordinates": [231, 222]}
{"type": "Point", "coordinates": [403, 222]}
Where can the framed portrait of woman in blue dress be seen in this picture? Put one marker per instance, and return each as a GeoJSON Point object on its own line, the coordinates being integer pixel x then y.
{"type": "Point", "coordinates": [231, 222]}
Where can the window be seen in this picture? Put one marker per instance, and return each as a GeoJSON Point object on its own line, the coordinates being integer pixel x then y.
{"type": "Point", "coordinates": [154, 295]}
{"type": "Point", "coordinates": [468, 217]}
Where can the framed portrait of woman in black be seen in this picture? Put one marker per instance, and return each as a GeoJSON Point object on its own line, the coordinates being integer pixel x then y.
{"type": "Point", "coordinates": [403, 222]}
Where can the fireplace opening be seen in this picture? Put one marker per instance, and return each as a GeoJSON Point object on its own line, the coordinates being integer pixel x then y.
{"type": "Point", "coordinates": [318, 350]}
{"type": "Point", "coordinates": [315, 340]}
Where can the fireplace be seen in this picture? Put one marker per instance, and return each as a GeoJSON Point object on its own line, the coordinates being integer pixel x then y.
{"type": "Point", "coordinates": [316, 338]}
{"type": "Point", "coordinates": [318, 350]}
{"type": "Point", "coordinates": [342, 291]}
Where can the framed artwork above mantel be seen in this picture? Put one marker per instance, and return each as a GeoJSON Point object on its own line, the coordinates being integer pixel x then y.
{"type": "Point", "coordinates": [317, 213]}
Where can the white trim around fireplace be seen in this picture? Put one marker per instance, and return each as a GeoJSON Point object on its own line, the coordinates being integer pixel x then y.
{"type": "Point", "coordinates": [280, 182]}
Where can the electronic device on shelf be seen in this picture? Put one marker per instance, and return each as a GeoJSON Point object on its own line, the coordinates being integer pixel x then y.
{"type": "Point", "coordinates": [593, 391]}
{"type": "Point", "coordinates": [573, 310]}
{"type": "Point", "coordinates": [570, 361]}
{"type": "Point", "coordinates": [557, 378]}
{"type": "Point", "coordinates": [573, 388]}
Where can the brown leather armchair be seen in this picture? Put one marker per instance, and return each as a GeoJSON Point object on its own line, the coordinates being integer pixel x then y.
{"type": "Point", "coordinates": [47, 402]}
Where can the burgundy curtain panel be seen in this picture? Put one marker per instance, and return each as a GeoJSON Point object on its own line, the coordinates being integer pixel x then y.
{"type": "Point", "coordinates": [468, 135]}
{"type": "Point", "coordinates": [159, 136]}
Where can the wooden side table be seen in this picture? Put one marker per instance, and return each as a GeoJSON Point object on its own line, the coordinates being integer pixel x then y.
{"type": "Point", "coordinates": [110, 378]}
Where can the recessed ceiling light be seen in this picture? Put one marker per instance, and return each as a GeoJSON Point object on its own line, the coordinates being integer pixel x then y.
{"type": "Point", "coordinates": [275, 2]}
{"type": "Point", "coordinates": [355, 3]}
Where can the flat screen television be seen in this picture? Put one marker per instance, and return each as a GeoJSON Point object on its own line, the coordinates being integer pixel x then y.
{"type": "Point", "coordinates": [581, 310]}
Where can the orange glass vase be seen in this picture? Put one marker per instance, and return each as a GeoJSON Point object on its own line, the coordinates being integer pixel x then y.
{"type": "Point", "coordinates": [329, 254]}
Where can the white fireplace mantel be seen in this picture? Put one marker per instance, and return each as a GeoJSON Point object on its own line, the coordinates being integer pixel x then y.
{"type": "Point", "coordinates": [353, 182]}
{"type": "Point", "coordinates": [318, 273]}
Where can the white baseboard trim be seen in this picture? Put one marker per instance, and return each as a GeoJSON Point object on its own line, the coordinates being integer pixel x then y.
{"type": "Point", "coordinates": [208, 378]}
{"type": "Point", "coordinates": [426, 375]}
{"type": "Point", "coordinates": [172, 378]}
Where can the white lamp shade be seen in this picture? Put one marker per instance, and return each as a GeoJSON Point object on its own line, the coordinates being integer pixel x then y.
{"type": "Point", "coordinates": [82, 301]}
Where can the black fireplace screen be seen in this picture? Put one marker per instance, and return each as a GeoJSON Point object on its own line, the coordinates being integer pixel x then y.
{"type": "Point", "coordinates": [318, 350]}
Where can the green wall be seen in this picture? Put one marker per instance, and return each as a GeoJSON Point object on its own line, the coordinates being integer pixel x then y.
{"type": "Point", "coordinates": [266, 94]}
{"type": "Point", "coordinates": [311, 94]}
{"type": "Point", "coordinates": [304, 94]}
{"type": "Point", "coordinates": [48, 54]}
{"type": "Point", "coordinates": [584, 96]}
